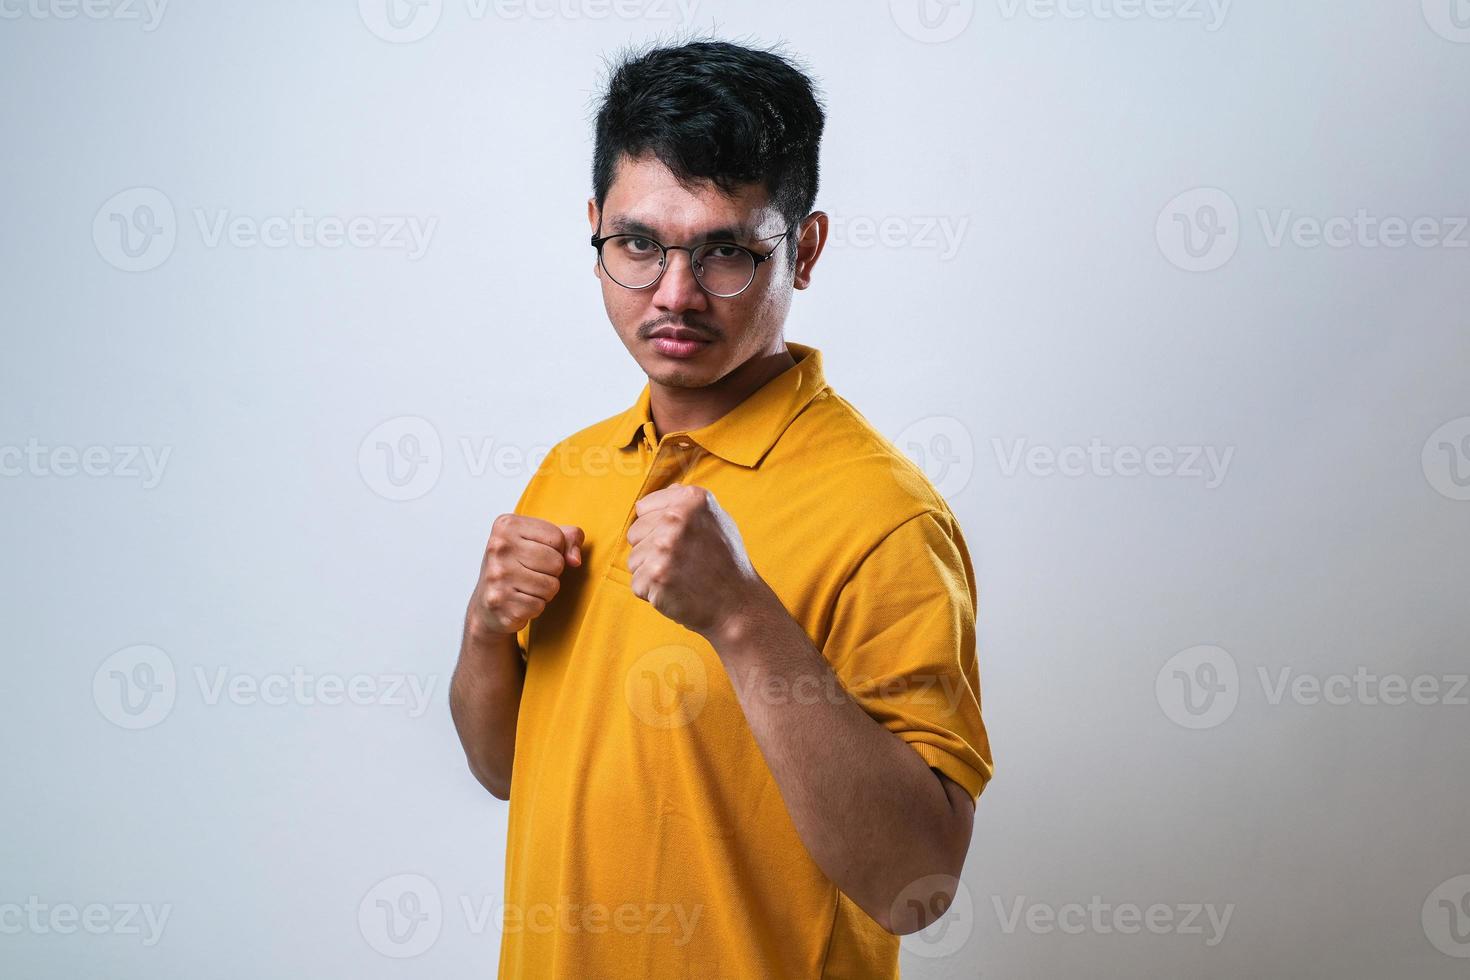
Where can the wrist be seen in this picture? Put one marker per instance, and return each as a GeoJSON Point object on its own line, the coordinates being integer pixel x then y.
{"type": "Point", "coordinates": [481, 635]}
{"type": "Point", "coordinates": [733, 633]}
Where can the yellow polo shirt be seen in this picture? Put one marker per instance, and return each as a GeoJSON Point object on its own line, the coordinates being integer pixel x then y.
{"type": "Point", "coordinates": [647, 837]}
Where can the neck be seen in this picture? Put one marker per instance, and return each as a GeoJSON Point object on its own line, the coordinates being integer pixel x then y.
{"type": "Point", "coordinates": [683, 409]}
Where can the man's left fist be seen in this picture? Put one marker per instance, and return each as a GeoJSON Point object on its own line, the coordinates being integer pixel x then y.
{"type": "Point", "coordinates": [688, 560]}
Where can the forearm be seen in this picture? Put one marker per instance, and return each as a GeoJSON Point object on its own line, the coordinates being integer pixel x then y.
{"type": "Point", "coordinates": [870, 811]}
{"type": "Point", "coordinates": [484, 700]}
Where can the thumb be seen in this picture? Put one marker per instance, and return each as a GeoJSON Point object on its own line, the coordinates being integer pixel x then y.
{"type": "Point", "coordinates": [574, 537]}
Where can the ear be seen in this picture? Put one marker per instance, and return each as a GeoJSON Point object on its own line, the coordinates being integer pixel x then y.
{"type": "Point", "coordinates": [593, 217]}
{"type": "Point", "coordinates": [812, 238]}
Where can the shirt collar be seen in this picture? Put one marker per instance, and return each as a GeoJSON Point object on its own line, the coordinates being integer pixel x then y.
{"type": "Point", "coordinates": [747, 432]}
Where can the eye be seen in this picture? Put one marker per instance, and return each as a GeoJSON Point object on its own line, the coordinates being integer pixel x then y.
{"type": "Point", "coordinates": [723, 252]}
{"type": "Point", "coordinates": [634, 245]}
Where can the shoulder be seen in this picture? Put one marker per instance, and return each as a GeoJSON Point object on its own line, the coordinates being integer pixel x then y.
{"type": "Point", "coordinates": [846, 457]}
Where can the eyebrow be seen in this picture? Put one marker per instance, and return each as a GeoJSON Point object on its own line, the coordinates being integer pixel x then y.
{"type": "Point", "coordinates": [621, 225]}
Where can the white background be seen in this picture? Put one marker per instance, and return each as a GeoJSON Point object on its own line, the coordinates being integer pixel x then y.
{"type": "Point", "coordinates": [1334, 542]}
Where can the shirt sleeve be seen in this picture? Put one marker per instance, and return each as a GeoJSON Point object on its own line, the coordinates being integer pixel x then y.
{"type": "Point", "coordinates": [902, 642]}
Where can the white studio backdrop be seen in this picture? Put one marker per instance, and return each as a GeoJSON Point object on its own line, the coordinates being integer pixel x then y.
{"type": "Point", "coordinates": [1167, 296]}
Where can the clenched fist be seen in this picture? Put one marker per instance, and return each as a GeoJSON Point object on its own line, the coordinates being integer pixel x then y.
{"type": "Point", "coordinates": [688, 560]}
{"type": "Point", "coordinates": [521, 572]}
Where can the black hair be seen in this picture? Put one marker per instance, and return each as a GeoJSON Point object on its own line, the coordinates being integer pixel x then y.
{"type": "Point", "coordinates": [717, 111]}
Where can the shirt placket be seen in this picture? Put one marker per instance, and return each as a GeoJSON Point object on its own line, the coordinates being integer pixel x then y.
{"type": "Point", "coordinates": [670, 462]}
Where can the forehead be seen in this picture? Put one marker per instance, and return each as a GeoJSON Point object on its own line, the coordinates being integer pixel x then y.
{"type": "Point", "coordinates": [646, 197]}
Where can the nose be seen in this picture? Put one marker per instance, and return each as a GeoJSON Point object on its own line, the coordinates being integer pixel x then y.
{"type": "Point", "coordinates": [678, 289]}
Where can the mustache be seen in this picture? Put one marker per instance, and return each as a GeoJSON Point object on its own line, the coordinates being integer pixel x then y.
{"type": "Point", "coordinates": [706, 331]}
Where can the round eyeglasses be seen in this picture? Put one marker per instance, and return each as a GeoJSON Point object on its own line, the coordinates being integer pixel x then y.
{"type": "Point", "coordinates": [722, 269]}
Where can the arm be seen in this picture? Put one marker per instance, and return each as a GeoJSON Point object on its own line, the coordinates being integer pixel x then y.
{"type": "Point", "coordinates": [870, 811]}
{"type": "Point", "coordinates": [891, 832]}
{"type": "Point", "coordinates": [484, 700]}
{"type": "Point", "coordinates": [519, 575]}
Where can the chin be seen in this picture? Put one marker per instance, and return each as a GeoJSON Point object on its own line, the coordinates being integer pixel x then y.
{"type": "Point", "coordinates": [683, 377]}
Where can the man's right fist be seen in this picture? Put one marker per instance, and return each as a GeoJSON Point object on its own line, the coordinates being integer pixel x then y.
{"type": "Point", "coordinates": [521, 572]}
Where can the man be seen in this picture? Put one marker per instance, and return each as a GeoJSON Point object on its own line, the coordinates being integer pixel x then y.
{"type": "Point", "coordinates": [721, 658]}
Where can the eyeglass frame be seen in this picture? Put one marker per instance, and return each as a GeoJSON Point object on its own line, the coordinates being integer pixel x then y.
{"type": "Point", "coordinates": [757, 259]}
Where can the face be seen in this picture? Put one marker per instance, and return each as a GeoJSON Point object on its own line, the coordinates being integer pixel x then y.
{"type": "Point", "coordinates": [719, 333]}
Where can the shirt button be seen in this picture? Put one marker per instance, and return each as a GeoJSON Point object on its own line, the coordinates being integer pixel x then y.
{"type": "Point", "coordinates": [683, 445]}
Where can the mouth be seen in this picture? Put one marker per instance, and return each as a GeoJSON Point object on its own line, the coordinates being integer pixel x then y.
{"type": "Point", "coordinates": [679, 342]}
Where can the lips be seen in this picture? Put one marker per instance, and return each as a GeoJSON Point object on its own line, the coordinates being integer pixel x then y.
{"type": "Point", "coordinates": [679, 333]}
{"type": "Point", "coordinates": [678, 342]}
